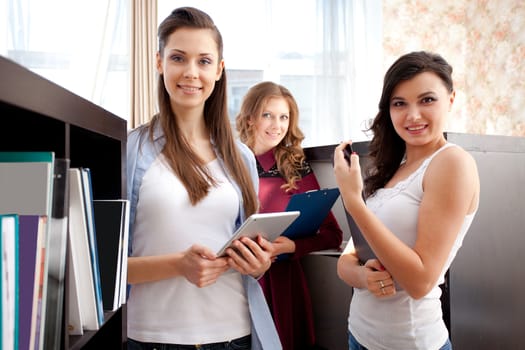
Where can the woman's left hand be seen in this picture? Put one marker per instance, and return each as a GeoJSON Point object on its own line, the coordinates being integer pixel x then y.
{"type": "Point", "coordinates": [251, 257]}
{"type": "Point", "coordinates": [282, 245]}
{"type": "Point", "coordinates": [378, 280]}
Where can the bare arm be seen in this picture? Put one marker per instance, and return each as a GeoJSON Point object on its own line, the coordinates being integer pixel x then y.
{"type": "Point", "coordinates": [372, 275]}
{"type": "Point", "coordinates": [441, 215]}
{"type": "Point", "coordinates": [198, 265]}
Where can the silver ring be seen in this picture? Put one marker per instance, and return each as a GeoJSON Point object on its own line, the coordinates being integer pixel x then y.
{"type": "Point", "coordinates": [383, 290]}
{"type": "Point", "coordinates": [381, 284]}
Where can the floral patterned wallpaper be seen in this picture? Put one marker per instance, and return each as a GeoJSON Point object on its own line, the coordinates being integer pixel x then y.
{"type": "Point", "coordinates": [483, 40]}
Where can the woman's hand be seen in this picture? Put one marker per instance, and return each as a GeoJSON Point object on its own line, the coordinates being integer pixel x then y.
{"type": "Point", "coordinates": [282, 245]}
{"type": "Point", "coordinates": [348, 177]}
{"type": "Point", "coordinates": [378, 280]}
{"type": "Point", "coordinates": [250, 257]}
{"type": "Point", "coordinates": [201, 266]}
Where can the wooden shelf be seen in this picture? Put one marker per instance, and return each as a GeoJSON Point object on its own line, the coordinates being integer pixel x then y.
{"type": "Point", "coordinates": [38, 115]}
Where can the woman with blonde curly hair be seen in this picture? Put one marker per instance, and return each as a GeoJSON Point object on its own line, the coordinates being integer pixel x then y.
{"type": "Point", "coordinates": [268, 123]}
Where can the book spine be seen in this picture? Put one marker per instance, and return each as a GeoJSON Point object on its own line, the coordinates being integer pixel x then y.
{"type": "Point", "coordinates": [57, 244]}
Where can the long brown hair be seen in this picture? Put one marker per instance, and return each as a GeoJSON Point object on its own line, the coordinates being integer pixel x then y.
{"type": "Point", "coordinates": [190, 169]}
{"type": "Point", "coordinates": [288, 153]}
{"type": "Point", "coordinates": [387, 148]}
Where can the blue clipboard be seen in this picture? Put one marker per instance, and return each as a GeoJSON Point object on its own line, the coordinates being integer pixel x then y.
{"type": "Point", "coordinates": [314, 207]}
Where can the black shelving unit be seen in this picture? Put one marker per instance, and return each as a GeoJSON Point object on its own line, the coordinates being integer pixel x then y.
{"type": "Point", "coordinates": [38, 115]}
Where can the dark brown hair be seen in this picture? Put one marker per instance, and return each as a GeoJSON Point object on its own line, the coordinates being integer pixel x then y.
{"type": "Point", "coordinates": [289, 154]}
{"type": "Point", "coordinates": [185, 163]}
{"type": "Point", "coordinates": [387, 149]}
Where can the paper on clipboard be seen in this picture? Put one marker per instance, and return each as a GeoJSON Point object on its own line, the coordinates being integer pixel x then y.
{"type": "Point", "coordinates": [314, 207]}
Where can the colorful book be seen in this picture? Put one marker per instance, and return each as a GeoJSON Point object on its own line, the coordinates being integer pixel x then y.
{"type": "Point", "coordinates": [26, 183]}
{"type": "Point", "coordinates": [26, 186]}
{"type": "Point", "coordinates": [9, 281]}
{"type": "Point", "coordinates": [31, 234]}
{"type": "Point", "coordinates": [40, 276]}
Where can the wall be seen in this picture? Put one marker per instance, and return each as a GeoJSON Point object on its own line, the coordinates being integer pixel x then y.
{"type": "Point", "coordinates": [483, 40]}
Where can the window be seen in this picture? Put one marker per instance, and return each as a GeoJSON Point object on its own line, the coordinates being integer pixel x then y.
{"type": "Point", "coordinates": [327, 53]}
{"type": "Point", "coordinates": [78, 44]}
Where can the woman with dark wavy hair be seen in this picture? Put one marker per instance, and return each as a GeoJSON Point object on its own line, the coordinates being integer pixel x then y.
{"type": "Point", "coordinates": [421, 194]}
{"type": "Point", "coordinates": [191, 184]}
{"type": "Point", "coordinates": [268, 123]}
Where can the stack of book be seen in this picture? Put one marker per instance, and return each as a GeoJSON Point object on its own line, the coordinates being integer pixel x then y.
{"type": "Point", "coordinates": [47, 216]}
{"type": "Point", "coordinates": [98, 239]}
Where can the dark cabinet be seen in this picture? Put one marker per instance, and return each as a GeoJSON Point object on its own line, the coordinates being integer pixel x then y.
{"type": "Point", "coordinates": [483, 303]}
{"type": "Point", "coordinates": [38, 115]}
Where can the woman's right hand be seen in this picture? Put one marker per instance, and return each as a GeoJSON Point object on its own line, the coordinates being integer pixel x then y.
{"type": "Point", "coordinates": [201, 266]}
{"type": "Point", "coordinates": [378, 280]}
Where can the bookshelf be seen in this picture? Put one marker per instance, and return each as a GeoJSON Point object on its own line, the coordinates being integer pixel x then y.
{"type": "Point", "coordinates": [38, 115]}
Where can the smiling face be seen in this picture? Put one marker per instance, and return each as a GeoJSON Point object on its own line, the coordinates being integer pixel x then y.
{"type": "Point", "coordinates": [271, 124]}
{"type": "Point", "coordinates": [191, 65]}
{"type": "Point", "coordinates": [419, 107]}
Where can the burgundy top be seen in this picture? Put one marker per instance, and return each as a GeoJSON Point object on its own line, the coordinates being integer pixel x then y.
{"type": "Point", "coordinates": [284, 284]}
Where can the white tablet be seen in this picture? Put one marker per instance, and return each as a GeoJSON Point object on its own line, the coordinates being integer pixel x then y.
{"type": "Point", "coordinates": [268, 225]}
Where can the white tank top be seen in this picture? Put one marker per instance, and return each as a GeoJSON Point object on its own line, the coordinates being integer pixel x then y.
{"type": "Point", "coordinates": [401, 322]}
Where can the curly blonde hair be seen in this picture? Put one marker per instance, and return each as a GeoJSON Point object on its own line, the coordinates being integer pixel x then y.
{"type": "Point", "coordinates": [289, 154]}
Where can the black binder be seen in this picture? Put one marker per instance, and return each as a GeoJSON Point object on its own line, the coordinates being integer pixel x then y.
{"type": "Point", "coordinates": [363, 250]}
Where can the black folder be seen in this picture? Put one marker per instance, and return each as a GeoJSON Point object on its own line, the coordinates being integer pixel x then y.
{"type": "Point", "coordinates": [363, 250]}
{"type": "Point", "coordinates": [314, 207]}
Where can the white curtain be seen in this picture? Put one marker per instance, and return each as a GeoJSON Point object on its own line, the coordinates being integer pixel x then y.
{"type": "Point", "coordinates": [81, 45]}
{"type": "Point", "coordinates": [347, 75]}
{"type": "Point", "coordinates": [327, 52]}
